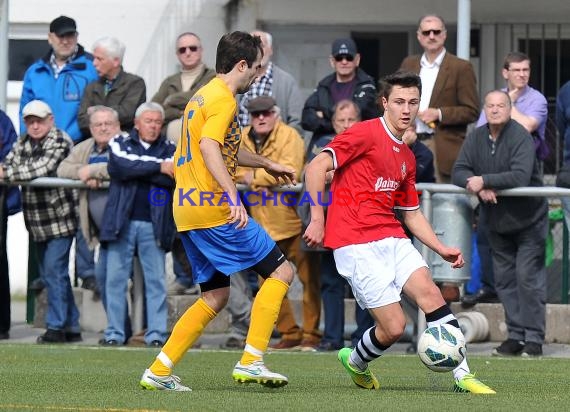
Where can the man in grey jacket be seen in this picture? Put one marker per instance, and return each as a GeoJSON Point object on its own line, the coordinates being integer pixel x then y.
{"type": "Point", "coordinates": [115, 88]}
{"type": "Point", "coordinates": [274, 82]}
{"type": "Point", "coordinates": [501, 155]}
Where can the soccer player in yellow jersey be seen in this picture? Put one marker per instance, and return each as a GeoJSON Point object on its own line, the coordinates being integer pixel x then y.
{"type": "Point", "coordinates": [218, 236]}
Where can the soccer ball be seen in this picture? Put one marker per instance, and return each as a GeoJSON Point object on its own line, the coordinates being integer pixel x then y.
{"type": "Point", "coordinates": [442, 348]}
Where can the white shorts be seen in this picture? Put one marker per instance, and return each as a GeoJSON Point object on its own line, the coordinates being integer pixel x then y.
{"type": "Point", "coordinates": [377, 271]}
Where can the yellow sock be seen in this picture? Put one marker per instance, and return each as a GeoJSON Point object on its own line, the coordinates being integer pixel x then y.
{"type": "Point", "coordinates": [186, 331]}
{"type": "Point", "coordinates": [264, 314]}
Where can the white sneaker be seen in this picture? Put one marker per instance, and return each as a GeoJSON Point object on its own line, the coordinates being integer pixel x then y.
{"type": "Point", "coordinates": [154, 382]}
{"type": "Point", "coordinates": [257, 372]}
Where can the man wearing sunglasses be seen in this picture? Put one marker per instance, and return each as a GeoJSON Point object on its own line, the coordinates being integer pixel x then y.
{"type": "Point", "coordinates": [347, 82]}
{"type": "Point", "coordinates": [449, 100]}
{"type": "Point", "coordinates": [176, 90]}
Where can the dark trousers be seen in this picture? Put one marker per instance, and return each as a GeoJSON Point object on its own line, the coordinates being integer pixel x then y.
{"type": "Point", "coordinates": [84, 257]}
{"type": "Point", "coordinates": [332, 293]}
{"type": "Point", "coordinates": [4, 272]}
{"type": "Point", "coordinates": [520, 280]}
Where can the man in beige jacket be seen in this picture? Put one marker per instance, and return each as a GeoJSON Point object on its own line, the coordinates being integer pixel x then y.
{"type": "Point", "coordinates": [88, 162]}
{"type": "Point", "coordinates": [269, 136]}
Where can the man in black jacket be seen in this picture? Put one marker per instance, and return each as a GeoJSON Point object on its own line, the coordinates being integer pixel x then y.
{"type": "Point", "coordinates": [347, 82]}
{"type": "Point", "coordinates": [501, 155]}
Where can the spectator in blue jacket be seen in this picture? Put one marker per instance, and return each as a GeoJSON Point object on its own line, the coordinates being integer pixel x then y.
{"type": "Point", "coordinates": [60, 77]}
{"type": "Point", "coordinates": [138, 215]}
{"type": "Point", "coordinates": [9, 204]}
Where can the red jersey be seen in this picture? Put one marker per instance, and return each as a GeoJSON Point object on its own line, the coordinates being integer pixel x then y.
{"type": "Point", "coordinates": [374, 173]}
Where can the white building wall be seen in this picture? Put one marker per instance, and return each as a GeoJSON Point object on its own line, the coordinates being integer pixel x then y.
{"type": "Point", "coordinates": [148, 28]}
{"type": "Point", "coordinates": [303, 28]}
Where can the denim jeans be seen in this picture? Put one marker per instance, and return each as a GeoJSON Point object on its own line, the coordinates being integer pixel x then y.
{"type": "Point", "coordinates": [485, 253]}
{"type": "Point", "coordinates": [84, 260]}
{"type": "Point", "coordinates": [137, 235]}
{"type": "Point", "coordinates": [180, 264]}
{"type": "Point", "coordinates": [53, 260]}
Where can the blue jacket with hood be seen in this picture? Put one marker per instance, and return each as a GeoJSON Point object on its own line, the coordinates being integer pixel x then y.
{"type": "Point", "coordinates": [129, 164]}
{"type": "Point", "coordinates": [63, 94]}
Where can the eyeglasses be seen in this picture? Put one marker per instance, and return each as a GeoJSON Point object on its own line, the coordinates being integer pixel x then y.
{"type": "Point", "coordinates": [193, 49]}
{"type": "Point", "coordinates": [428, 32]}
{"type": "Point", "coordinates": [264, 113]}
{"type": "Point", "coordinates": [341, 57]}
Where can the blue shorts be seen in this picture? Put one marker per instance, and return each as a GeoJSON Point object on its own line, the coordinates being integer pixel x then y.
{"type": "Point", "coordinates": [225, 249]}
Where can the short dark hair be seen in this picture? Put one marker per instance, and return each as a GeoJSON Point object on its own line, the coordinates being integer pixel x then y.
{"type": "Point", "coordinates": [514, 57]}
{"type": "Point", "coordinates": [400, 78]}
{"type": "Point", "coordinates": [234, 47]}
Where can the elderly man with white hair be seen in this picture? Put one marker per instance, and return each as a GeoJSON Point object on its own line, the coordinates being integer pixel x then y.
{"type": "Point", "coordinates": [115, 88]}
{"type": "Point", "coordinates": [138, 217]}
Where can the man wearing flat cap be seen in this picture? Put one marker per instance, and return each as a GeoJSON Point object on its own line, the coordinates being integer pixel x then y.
{"type": "Point", "coordinates": [347, 82]}
{"type": "Point", "coordinates": [269, 136]}
{"type": "Point", "coordinates": [49, 214]}
{"type": "Point", "coordinates": [60, 77]}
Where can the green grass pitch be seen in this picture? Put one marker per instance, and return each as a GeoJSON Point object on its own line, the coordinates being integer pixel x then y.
{"type": "Point", "coordinates": [67, 378]}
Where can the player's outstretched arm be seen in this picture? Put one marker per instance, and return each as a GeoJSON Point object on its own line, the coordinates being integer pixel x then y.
{"type": "Point", "coordinates": [315, 175]}
{"type": "Point", "coordinates": [421, 229]}
{"type": "Point", "coordinates": [282, 174]}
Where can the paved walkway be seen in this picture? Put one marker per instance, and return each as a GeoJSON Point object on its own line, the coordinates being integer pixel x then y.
{"type": "Point", "coordinates": [24, 333]}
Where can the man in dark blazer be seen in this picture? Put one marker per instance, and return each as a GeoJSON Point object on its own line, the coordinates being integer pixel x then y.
{"type": "Point", "coordinates": [449, 100]}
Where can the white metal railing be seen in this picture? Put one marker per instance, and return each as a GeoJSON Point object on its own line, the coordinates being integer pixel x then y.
{"type": "Point", "coordinates": [427, 189]}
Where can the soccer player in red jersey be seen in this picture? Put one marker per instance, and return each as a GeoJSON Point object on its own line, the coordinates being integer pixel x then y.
{"type": "Point", "coordinates": [370, 247]}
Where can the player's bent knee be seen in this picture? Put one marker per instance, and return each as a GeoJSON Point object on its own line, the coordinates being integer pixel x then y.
{"type": "Point", "coordinates": [216, 299]}
{"type": "Point", "coordinates": [395, 331]}
{"type": "Point", "coordinates": [388, 334]}
{"type": "Point", "coordinates": [284, 272]}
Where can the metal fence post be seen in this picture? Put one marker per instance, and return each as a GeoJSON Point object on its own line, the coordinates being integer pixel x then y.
{"type": "Point", "coordinates": [33, 274]}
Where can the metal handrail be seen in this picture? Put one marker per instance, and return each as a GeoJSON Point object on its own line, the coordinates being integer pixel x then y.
{"type": "Point", "coordinates": [543, 191]}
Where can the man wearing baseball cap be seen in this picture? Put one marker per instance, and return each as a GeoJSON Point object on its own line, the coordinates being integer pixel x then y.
{"type": "Point", "coordinates": [49, 214]}
{"type": "Point", "coordinates": [60, 77]}
{"type": "Point", "coordinates": [347, 82]}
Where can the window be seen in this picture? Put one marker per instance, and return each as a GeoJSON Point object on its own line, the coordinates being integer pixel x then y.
{"type": "Point", "coordinates": [22, 53]}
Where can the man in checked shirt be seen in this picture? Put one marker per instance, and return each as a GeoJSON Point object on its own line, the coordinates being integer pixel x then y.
{"type": "Point", "coordinates": [49, 214]}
